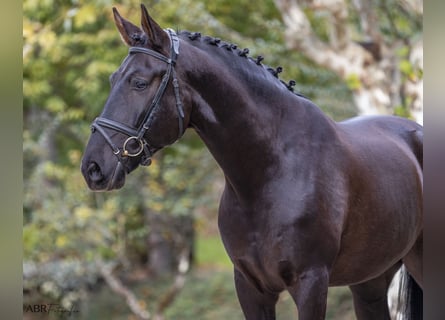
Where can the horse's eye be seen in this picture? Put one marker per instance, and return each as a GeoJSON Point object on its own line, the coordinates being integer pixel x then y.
{"type": "Point", "coordinates": [139, 84]}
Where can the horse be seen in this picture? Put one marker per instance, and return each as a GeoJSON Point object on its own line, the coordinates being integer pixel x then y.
{"type": "Point", "coordinates": [308, 202]}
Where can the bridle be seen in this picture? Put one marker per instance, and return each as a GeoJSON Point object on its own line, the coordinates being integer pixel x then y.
{"type": "Point", "coordinates": [137, 135]}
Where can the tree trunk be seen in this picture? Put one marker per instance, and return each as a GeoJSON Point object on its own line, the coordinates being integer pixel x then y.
{"type": "Point", "coordinates": [168, 237]}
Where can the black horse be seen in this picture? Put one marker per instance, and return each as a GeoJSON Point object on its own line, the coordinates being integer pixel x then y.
{"type": "Point", "coordinates": [308, 203]}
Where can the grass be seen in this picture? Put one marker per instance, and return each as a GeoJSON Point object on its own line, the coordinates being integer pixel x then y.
{"type": "Point", "coordinates": [210, 252]}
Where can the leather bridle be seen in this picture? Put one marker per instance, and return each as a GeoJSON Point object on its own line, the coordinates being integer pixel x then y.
{"type": "Point", "coordinates": [137, 135]}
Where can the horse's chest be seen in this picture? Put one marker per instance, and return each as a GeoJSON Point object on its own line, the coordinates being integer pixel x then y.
{"type": "Point", "coordinates": [244, 234]}
{"type": "Point", "coordinates": [255, 250]}
{"type": "Point", "coordinates": [254, 256]}
{"type": "Point", "coordinates": [240, 240]}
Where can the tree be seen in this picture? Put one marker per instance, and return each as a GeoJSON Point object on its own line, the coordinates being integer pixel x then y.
{"type": "Point", "coordinates": [373, 46]}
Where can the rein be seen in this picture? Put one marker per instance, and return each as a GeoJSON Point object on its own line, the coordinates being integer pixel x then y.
{"type": "Point", "coordinates": [137, 135]}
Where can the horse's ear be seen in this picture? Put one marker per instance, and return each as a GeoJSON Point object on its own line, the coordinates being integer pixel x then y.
{"type": "Point", "coordinates": [130, 33]}
{"type": "Point", "coordinates": [157, 37]}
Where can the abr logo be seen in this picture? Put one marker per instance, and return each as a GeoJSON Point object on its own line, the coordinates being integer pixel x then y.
{"type": "Point", "coordinates": [37, 308]}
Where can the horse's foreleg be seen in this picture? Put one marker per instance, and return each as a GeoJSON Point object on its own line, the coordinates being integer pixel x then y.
{"type": "Point", "coordinates": [310, 293]}
{"type": "Point", "coordinates": [256, 305]}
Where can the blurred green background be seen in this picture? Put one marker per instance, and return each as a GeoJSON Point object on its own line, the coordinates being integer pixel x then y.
{"type": "Point", "coordinates": [70, 48]}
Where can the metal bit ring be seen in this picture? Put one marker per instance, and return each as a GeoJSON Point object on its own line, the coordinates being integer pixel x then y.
{"type": "Point", "coordinates": [125, 152]}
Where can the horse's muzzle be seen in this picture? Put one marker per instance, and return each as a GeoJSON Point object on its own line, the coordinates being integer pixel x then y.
{"type": "Point", "coordinates": [98, 181]}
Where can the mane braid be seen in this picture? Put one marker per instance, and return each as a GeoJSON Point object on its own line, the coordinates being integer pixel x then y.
{"type": "Point", "coordinates": [258, 60]}
{"type": "Point", "coordinates": [244, 53]}
{"type": "Point", "coordinates": [230, 47]}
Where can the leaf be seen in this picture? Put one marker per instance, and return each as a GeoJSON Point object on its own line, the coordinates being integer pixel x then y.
{"type": "Point", "coordinates": [87, 14]}
{"type": "Point", "coordinates": [55, 104]}
{"type": "Point", "coordinates": [406, 67]}
{"type": "Point", "coordinates": [61, 241]}
{"type": "Point", "coordinates": [353, 81]}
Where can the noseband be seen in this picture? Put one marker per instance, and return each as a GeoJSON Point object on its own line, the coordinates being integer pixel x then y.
{"type": "Point", "coordinates": [137, 135]}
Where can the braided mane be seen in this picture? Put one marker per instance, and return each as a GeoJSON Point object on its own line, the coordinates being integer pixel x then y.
{"type": "Point", "coordinates": [244, 53]}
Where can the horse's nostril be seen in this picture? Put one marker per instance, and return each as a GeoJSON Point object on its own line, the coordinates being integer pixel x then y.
{"type": "Point", "coordinates": [94, 172]}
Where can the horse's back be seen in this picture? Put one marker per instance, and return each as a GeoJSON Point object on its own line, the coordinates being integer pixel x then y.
{"type": "Point", "coordinates": [389, 129]}
{"type": "Point", "coordinates": [389, 123]}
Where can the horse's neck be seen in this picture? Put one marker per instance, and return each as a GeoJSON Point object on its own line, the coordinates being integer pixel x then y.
{"type": "Point", "coordinates": [248, 130]}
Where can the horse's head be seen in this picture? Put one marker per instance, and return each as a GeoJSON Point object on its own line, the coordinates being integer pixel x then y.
{"type": "Point", "coordinates": [144, 111]}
